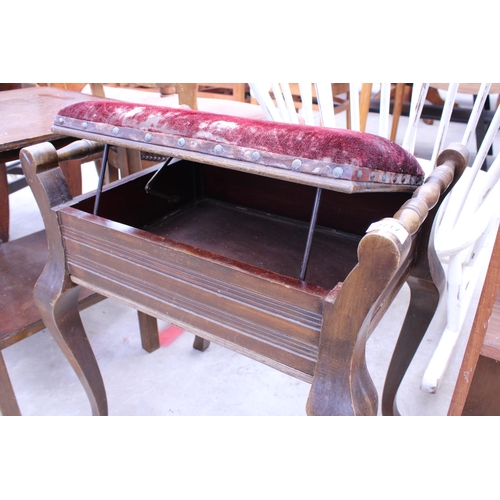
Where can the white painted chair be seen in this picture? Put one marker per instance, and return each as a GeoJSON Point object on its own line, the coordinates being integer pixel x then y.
{"type": "Point", "coordinates": [464, 232]}
{"type": "Point", "coordinates": [466, 229]}
{"type": "Point", "coordinates": [282, 107]}
{"type": "Point", "coordinates": [278, 104]}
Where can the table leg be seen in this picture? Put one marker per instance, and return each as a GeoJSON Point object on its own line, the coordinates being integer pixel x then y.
{"type": "Point", "coordinates": [4, 204]}
{"type": "Point", "coordinates": [8, 402]}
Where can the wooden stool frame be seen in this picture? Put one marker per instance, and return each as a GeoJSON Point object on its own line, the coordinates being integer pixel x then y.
{"type": "Point", "coordinates": [311, 331]}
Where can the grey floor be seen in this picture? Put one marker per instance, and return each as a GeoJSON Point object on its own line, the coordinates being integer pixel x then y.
{"type": "Point", "coordinates": [178, 380]}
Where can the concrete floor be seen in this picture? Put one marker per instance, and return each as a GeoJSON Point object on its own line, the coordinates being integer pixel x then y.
{"type": "Point", "coordinates": [178, 380]}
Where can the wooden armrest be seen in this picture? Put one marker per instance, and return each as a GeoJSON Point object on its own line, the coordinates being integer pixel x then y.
{"type": "Point", "coordinates": [409, 219]}
{"type": "Point", "coordinates": [79, 150]}
{"type": "Point", "coordinates": [450, 165]}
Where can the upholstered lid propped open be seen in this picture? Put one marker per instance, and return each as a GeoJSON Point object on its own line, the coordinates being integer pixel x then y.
{"type": "Point", "coordinates": [335, 158]}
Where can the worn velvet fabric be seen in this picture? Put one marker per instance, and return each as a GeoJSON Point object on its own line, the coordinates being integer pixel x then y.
{"type": "Point", "coordinates": [334, 146]}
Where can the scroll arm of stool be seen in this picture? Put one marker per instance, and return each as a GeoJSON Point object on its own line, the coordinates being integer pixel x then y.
{"type": "Point", "coordinates": [55, 295]}
{"type": "Point", "coordinates": [386, 254]}
{"type": "Point", "coordinates": [41, 167]}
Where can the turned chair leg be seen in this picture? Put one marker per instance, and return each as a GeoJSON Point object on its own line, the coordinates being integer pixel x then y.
{"type": "Point", "coordinates": [424, 301]}
{"type": "Point", "coordinates": [8, 401]}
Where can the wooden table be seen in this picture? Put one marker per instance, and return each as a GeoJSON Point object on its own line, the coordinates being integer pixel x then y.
{"type": "Point", "coordinates": [26, 118]}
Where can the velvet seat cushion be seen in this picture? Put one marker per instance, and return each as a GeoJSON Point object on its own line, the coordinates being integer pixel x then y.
{"type": "Point", "coordinates": [334, 153]}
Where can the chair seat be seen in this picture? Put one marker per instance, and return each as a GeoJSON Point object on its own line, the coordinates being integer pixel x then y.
{"type": "Point", "coordinates": [21, 263]}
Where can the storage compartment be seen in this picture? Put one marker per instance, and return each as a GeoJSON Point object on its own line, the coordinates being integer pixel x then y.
{"type": "Point", "coordinates": [255, 220]}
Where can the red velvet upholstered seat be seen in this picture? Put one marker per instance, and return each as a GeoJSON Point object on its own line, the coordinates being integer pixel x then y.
{"type": "Point", "coordinates": [320, 151]}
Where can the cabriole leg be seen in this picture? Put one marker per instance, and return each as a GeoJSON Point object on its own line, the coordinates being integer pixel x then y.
{"type": "Point", "coordinates": [61, 316]}
{"type": "Point", "coordinates": [424, 301]}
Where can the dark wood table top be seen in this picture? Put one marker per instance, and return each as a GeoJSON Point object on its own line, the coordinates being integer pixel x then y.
{"type": "Point", "coordinates": [26, 119]}
{"type": "Point", "coordinates": [27, 115]}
